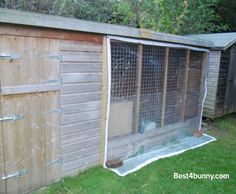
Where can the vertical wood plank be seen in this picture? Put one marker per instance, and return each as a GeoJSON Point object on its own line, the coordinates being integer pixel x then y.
{"type": "Point", "coordinates": [104, 98]}
{"type": "Point", "coordinates": [185, 82]}
{"type": "Point", "coordinates": [52, 120]}
{"type": "Point", "coordinates": [13, 135]}
{"type": "Point", "coordinates": [138, 87]}
{"type": "Point", "coordinates": [163, 107]}
{"type": "Point", "coordinates": [52, 137]}
{"type": "Point", "coordinates": [2, 162]}
{"type": "Point", "coordinates": [203, 79]}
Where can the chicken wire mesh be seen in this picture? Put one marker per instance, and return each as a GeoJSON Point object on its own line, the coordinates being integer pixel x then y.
{"type": "Point", "coordinates": [151, 87]}
{"type": "Point", "coordinates": [193, 100]}
{"type": "Point", "coordinates": [175, 86]}
{"type": "Point", "coordinates": [131, 100]}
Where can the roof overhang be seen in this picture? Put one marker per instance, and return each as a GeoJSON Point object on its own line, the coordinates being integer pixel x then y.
{"type": "Point", "coordinates": [9, 16]}
{"type": "Point", "coordinates": [222, 41]}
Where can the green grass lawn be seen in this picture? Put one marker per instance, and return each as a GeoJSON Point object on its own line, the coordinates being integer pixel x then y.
{"type": "Point", "coordinates": [157, 177]}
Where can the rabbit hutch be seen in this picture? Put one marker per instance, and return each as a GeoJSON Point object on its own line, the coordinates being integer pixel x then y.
{"type": "Point", "coordinates": [76, 94]}
{"type": "Point", "coordinates": [221, 84]}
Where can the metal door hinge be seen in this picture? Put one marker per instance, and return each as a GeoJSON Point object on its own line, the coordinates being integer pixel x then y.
{"type": "Point", "coordinates": [10, 57]}
{"type": "Point", "coordinates": [12, 118]}
{"type": "Point", "coordinates": [16, 174]}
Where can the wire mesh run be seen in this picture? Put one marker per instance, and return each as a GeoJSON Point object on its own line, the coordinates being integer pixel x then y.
{"type": "Point", "coordinates": [193, 101]}
{"type": "Point", "coordinates": [151, 87]}
{"type": "Point", "coordinates": [175, 85]}
{"type": "Point", "coordinates": [137, 89]}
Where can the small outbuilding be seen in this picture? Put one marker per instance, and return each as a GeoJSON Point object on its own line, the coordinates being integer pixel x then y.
{"type": "Point", "coordinates": [221, 84]}
{"type": "Point", "coordinates": [75, 94]}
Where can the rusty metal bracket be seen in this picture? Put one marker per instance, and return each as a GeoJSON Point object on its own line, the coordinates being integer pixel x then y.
{"type": "Point", "coordinates": [12, 118]}
{"type": "Point", "coordinates": [16, 174]}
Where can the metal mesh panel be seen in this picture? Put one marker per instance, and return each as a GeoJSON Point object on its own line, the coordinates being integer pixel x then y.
{"type": "Point", "coordinates": [134, 131]}
{"type": "Point", "coordinates": [175, 86]}
{"type": "Point", "coordinates": [151, 87]}
{"type": "Point", "coordinates": [123, 71]}
{"type": "Point", "coordinates": [123, 88]}
{"type": "Point", "coordinates": [194, 83]}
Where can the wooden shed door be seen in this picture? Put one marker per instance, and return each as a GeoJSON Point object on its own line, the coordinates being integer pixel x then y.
{"type": "Point", "coordinates": [30, 133]}
{"type": "Point", "coordinates": [231, 86]}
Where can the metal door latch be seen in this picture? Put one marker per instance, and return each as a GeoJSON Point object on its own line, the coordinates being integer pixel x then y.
{"type": "Point", "coordinates": [16, 174]}
{"type": "Point", "coordinates": [12, 118]}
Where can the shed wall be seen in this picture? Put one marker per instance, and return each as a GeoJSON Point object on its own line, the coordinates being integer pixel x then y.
{"type": "Point", "coordinates": [56, 85]}
{"type": "Point", "coordinates": [222, 83]}
{"type": "Point", "coordinates": [81, 73]}
{"type": "Point", "coordinates": [230, 104]}
{"type": "Point", "coordinates": [212, 82]}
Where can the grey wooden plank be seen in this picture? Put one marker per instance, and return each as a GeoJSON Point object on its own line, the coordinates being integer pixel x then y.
{"type": "Point", "coordinates": [80, 135]}
{"type": "Point", "coordinates": [85, 116]}
{"type": "Point", "coordinates": [75, 171]}
{"type": "Point", "coordinates": [81, 56]}
{"type": "Point", "coordinates": [81, 77]}
{"type": "Point", "coordinates": [80, 164]}
{"type": "Point", "coordinates": [80, 98]}
{"type": "Point", "coordinates": [81, 67]}
{"type": "Point", "coordinates": [68, 45]}
{"type": "Point", "coordinates": [211, 83]}
{"type": "Point", "coordinates": [81, 107]}
{"type": "Point", "coordinates": [208, 113]}
{"type": "Point", "coordinates": [210, 103]}
{"type": "Point", "coordinates": [80, 154]}
{"type": "Point", "coordinates": [94, 141]}
{"type": "Point", "coordinates": [80, 126]}
{"type": "Point", "coordinates": [81, 88]}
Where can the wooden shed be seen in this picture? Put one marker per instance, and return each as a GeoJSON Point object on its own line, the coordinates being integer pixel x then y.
{"type": "Point", "coordinates": [76, 93]}
{"type": "Point", "coordinates": [221, 95]}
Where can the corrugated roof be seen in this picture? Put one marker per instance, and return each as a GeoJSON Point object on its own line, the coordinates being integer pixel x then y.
{"type": "Point", "coordinates": [49, 21]}
{"type": "Point", "coordinates": [222, 41]}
